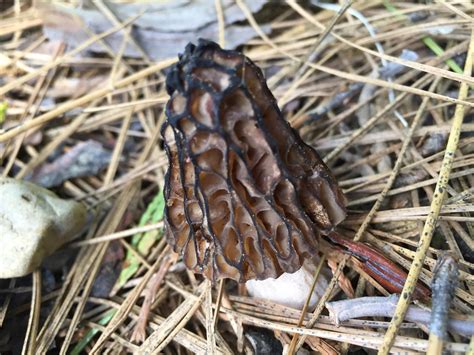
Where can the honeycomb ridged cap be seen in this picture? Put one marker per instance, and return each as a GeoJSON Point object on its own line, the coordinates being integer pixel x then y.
{"type": "Point", "coordinates": [246, 198]}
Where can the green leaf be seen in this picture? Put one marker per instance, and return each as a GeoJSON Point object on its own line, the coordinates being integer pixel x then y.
{"type": "Point", "coordinates": [428, 41]}
{"type": "Point", "coordinates": [3, 111]}
{"type": "Point", "coordinates": [93, 331]}
{"type": "Point", "coordinates": [436, 49]}
{"type": "Point", "coordinates": [143, 242]}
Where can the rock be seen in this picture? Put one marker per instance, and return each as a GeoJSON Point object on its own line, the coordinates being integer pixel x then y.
{"type": "Point", "coordinates": [34, 223]}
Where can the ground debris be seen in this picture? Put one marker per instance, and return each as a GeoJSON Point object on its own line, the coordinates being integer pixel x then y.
{"type": "Point", "coordinates": [84, 159]}
{"type": "Point", "coordinates": [161, 30]}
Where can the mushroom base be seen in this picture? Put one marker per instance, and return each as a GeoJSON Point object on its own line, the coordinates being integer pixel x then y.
{"type": "Point", "coordinates": [292, 290]}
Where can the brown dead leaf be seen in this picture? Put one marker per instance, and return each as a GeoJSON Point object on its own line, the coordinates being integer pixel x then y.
{"type": "Point", "coordinates": [161, 29]}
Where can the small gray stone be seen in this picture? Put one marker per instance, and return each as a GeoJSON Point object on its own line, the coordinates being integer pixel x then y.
{"type": "Point", "coordinates": [34, 223]}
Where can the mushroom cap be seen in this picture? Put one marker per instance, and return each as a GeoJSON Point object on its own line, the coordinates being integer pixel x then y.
{"type": "Point", "coordinates": [246, 198]}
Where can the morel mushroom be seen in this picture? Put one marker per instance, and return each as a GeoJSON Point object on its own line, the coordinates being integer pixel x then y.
{"type": "Point", "coordinates": [246, 198]}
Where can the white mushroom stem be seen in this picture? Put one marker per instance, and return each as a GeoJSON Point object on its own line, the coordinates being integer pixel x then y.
{"type": "Point", "coordinates": [292, 290]}
{"type": "Point", "coordinates": [341, 311]}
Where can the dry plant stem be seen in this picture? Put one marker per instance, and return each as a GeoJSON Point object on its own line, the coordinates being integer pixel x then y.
{"type": "Point", "coordinates": [174, 322]}
{"type": "Point", "coordinates": [220, 293]}
{"type": "Point", "coordinates": [470, 349]}
{"type": "Point", "coordinates": [270, 311]}
{"type": "Point", "coordinates": [209, 321]}
{"type": "Point", "coordinates": [320, 306]}
{"type": "Point", "coordinates": [326, 31]}
{"type": "Point", "coordinates": [139, 333]}
{"type": "Point", "coordinates": [125, 307]}
{"type": "Point", "coordinates": [184, 337]}
{"type": "Point", "coordinates": [444, 282]}
{"type": "Point", "coordinates": [69, 105]}
{"type": "Point", "coordinates": [455, 10]}
{"type": "Point", "coordinates": [235, 324]}
{"type": "Point", "coordinates": [117, 153]}
{"type": "Point", "coordinates": [116, 215]}
{"type": "Point", "coordinates": [115, 70]}
{"type": "Point", "coordinates": [118, 344]}
{"type": "Point", "coordinates": [342, 116]}
{"type": "Point", "coordinates": [108, 50]}
{"type": "Point", "coordinates": [64, 301]}
{"type": "Point", "coordinates": [462, 294]}
{"type": "Point", "coordinates": [249, 316]}
{"type": "Point", "coordinates": [414, 186]}
{"type": "Point", "coordinates": [411, 64]}
{"type": "Point", "coordinates": [387, 135]}
{"type": "Point", "coordinates": [369, 217]}
{"type": "Point", "coordinates": [40, 91]}
{"type": "Point", "coordinates": [397, 167]}
{"type": "Point", "coordinates": [80, 307]}
{"type": "Point", "coordinates": [349, 76]}
{"type": "Point", "coordinates": [22, 25]}
{"type": "Point", "coordinates": [292, 346]}
{"type": "Point", "coordinates": [367, 339]}
{"type": "Point", "coordinates": [435, 209]}
{"type": "Point", "coordinates": [372, 121]}
{"type": "Point", "coordinates": [6, 302]}
{"type": "Point", "coordinates": [33, 321]}
{"type": "Point", "coordinates": [17, 9]}
{"type": "Point", "coordinates": [364, 182]}
{"type": "Point", "coordinates": [133, 174]}
{"type": "Point", "coordinates": [111, 16]}
{"type": "Point", "coordinates": [134, 104]}
{"type": "Point", "coordinates": [19, 140]}
{"type": "Point", "coordinates": [118, 235]}
{"type": "Point", "coordinates": [464, 276]}
{"type": "Point", "coordinates": [341, 311]}
{"type": "Point", "coordinates": [219, 339]}
{"type": "Point", "coordinates": [220, 22]}
{"type": "Point", "coordinates": [300, 68]}
{"type": "Point", "coordinates": [297, 36]}
{"type": "Point", "coordinates": [22, 80]}
{"type": "Point", "coordinates": [49, 148]}
{"type": "Point", "coordinates": [63, 305]}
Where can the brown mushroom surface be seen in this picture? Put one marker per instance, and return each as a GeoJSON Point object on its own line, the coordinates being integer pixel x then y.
{"type": "Point", "coordinates": [246, 198]}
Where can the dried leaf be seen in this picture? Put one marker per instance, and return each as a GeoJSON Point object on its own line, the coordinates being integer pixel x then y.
{"type": "Point", "coordinates": [75, 87]}
{"type": "Point", "coordinates": [85, 159]}
{"type": "Point", "coordinates": [161, 30]}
